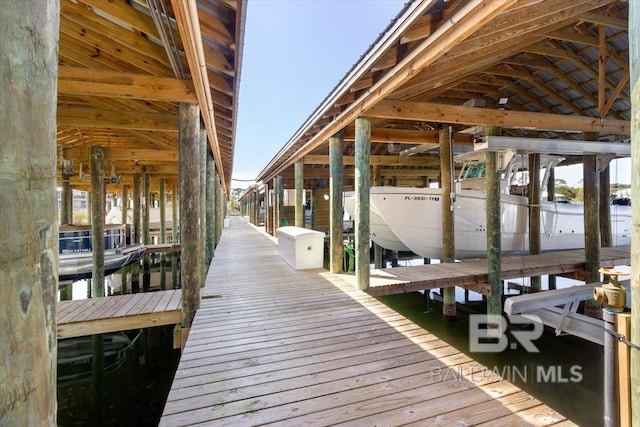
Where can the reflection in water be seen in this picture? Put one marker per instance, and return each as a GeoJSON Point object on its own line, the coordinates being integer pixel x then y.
{"type": "Point", "coordinates": [566, 374]}
{"type": "Point", "coordinates": [138, 370]}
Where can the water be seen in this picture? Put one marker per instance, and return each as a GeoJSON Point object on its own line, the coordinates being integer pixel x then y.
{"type": "Point", "coordinates": [577, 365]}
{"type": "Point", "coordinates": [139, 367]}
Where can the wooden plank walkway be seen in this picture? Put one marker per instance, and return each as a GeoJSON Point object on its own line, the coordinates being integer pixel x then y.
{"type": "Point", "coordinates": [118, 313]}
{"type": "Point", "coordinates": [270, 345]}
{"type": "Point", "coordinates": [388, 281]}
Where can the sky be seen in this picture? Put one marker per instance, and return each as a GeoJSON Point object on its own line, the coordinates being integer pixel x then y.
{"type": "Point", "coordinates": [295, 53]}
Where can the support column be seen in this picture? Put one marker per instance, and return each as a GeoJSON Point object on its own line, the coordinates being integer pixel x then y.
{"type": "Point", "coordinates": [97, 220]}
{"type": "Point", "coordinates": [28, 206]}
{"type": "Point", "coordinates": [606, 239]}
{"type": "Point", "coordinates": [299, 184]}
{"type": "Point", "coordinates": [336, 188]}
{"type": "Point", "coordinates": [534, 213]}
{"type": "Point", "coordinates": [66, 201]}
{"type": "Point", "coordinates": [211, 209]}
{"type": "Point", "coordinates": [174, 234]}
{"type": "Point", "coordinates": [492, 179]}
{"type": "Point", "coordinates": [202, 256]}
{"type": "Point", "coordinates": [362, 173]}
{"type": "Point", "coordinates": [146, 234]}
{"type": "Point", "coordinates": [125, 203]}
{"type": "Point", "coordinates": [448, 236]}
{"type": "Point", "coordinates": [634, 82]}
{"type": "Point", "coordinates": [279, 195]}
{"type": "Point", "coordinates": [551, 196]}
{"type": "Point", "coordinates": [591, 229]}
{"type": "Point", "coordinates": [189, 164]}
{"type": "Point", "coordinates": [377, 249]}
{"type": "Point", "coordinates": [314, 204]}
{"type": "Point", "coordinates": [162, 183]}
{"type": "Point", "coordinates": [135, 267]}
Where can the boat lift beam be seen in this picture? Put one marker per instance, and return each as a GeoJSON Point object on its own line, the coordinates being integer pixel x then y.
{"type": "Point", "coordinates": [552, 146]}
{"type": "Point", "coordinates": [557, 309]}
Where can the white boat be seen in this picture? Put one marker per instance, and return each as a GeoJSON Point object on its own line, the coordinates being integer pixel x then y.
{"type": "Point", "coordinates": [381, 234]}
{"type": "Point", "coordinates": [75, 257]}
{"type": "Point", "coordinates": [414, 215]}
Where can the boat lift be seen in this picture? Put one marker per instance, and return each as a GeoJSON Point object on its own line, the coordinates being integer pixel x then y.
{"type": "Point", "coordinates": [558, 310]}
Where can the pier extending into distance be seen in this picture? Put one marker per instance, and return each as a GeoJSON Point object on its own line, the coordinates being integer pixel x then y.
{"type": "Point", "coordinates": [270, 344]}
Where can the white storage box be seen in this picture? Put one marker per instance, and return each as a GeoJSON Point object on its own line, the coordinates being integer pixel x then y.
{"type": "Point", "coordinates": [226, 223]}
{"type": "Point", "coordinates": [301, 248]}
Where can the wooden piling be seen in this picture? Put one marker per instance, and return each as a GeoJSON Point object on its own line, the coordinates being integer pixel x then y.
{"type": "Point", "coordinates": [66, 202]}
{"type": "Point", "coordinates": [163, 231]}
{"type": "Point", "coordinates": [97, 219]}
{"type": "Point", "coordinates": [336, 188]}
{"type": "Point", "coordinates": [314, 204]}
{"type": "Point", "coordinates": [299, 184]}
{"type": "Point", "coordinates": [492, 179]}
{"type": "Point", "coordinates": [29, 226]}
{"type": "Point", "coordinates": [551, 196]}
{"type": "Point", "coordinates": [606, 239]}
{"type": "Point", "coordinates": [377, 249]}
{"type": "Point", "coordinates": [634, 57]}
{"type": "Point", "coordinates": [279, 203]}
{"type": "Point", "coordinates": [211, 209]}
{"type": "Point", "coordinates": [174, 234]}
{"type": "Point", "coordinates": [146, 234]}
{"type": "Point", "coordinates": [448, 236]}
{"type": "Point", "coordinates": [591, 229]}
{"type": "Point", "coordinates": [189, 164]}
{"type": "Point", "coordinates": [534, 213]}
{"type": "Point", "coordinates": [362, 173]}
{"type": "Point", "coordinates": [125, 203]}
{"type": "Point", "coordinates": [202, 256]}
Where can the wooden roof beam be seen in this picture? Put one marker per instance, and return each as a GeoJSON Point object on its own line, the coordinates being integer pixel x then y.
{"type": "Point", "coordinates": [407, 110]}
{"type": "Point", "coordinates": [94, 118]}
{"type": "Point", "coordinates": [82, 81]}
{"type": "Point", "coordinates": [390, 160]}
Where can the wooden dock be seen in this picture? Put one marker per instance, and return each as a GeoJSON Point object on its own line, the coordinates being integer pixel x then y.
{"type": "Point", "coordinates": [473, 273]}
{"type": "Point", "coordinates": [118, 313]}
{"type": "Point", "coordinates": [270, 345]}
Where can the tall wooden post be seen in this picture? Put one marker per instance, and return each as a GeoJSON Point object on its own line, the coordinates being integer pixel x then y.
{"type": "Point", "coordinates": [299, 184]}
{"type": "Point", "coordinates": [88, 207]}
{"type": "Point", "coordinates": [66, 201]}
{"type": "Point", "coordinates": [97, 219]}
{"type": "Point", "coordinates": [492, 179]}
{"type": "Point", "coordinates": [634, 57]}
{"type": "Point", "coordinates": [125, 203]}
{"type": "Point", "coordinates": [314, 204]}
{"type": "Point", "coordinates": [551, 196]}
{"type": "Point", "coordinates": [275, 206]}
{"type": "Point", "coordinates": [534, 213]}
{"type": "Point", "coordinates": [591, 229]}
{"type": "Point", "coordinates": [189, 164]}
{"type": "Point", "coordinates": [211, 209]}
{"type": "Point", "coordinates": [362, 173]}
{"type": "Point", "coordinates": [146, 233]}
{"type": "Point", "coordinates": [448, 236]}
{"type": "Point", "coordinates": [279, 196]}
{"type": "Point", "coordinates": [377, 249]}
{"type": "Point", "coordinates": [28, 199]}
{"type": "Point", "coordinates": [174, 233]}
{"type": "Point", "coordinates": [162, 183]}
{"type": "Point", "coordinates": [336, 188]}
{"type": "Point", "coordinates": [606, 239]}
{"type": "Point", "coordinates": [220, 211]}
{"type": "Point", "coordinates": [204, 150]}
{"type": "Point", "coordinates": [135, 267]}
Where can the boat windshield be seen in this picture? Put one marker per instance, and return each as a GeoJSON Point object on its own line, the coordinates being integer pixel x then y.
{"type": "Point", "coordinates": [474, 170]}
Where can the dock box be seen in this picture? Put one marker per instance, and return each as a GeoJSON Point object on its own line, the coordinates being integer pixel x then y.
{"type": "Point", "coordinates": [301, 248]}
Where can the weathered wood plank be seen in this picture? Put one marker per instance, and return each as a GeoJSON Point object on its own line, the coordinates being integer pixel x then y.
{"type": "Point", "coordinates": [311, 349]}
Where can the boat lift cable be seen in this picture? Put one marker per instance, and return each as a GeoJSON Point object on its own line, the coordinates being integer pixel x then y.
{"type": "Point", "coordinates": [623, 339]}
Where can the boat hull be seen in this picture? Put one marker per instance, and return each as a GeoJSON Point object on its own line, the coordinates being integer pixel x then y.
{"type": "Point", "coordinates": [381, 234]}
{"type": "Point", "coordinates": [415, 216]}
